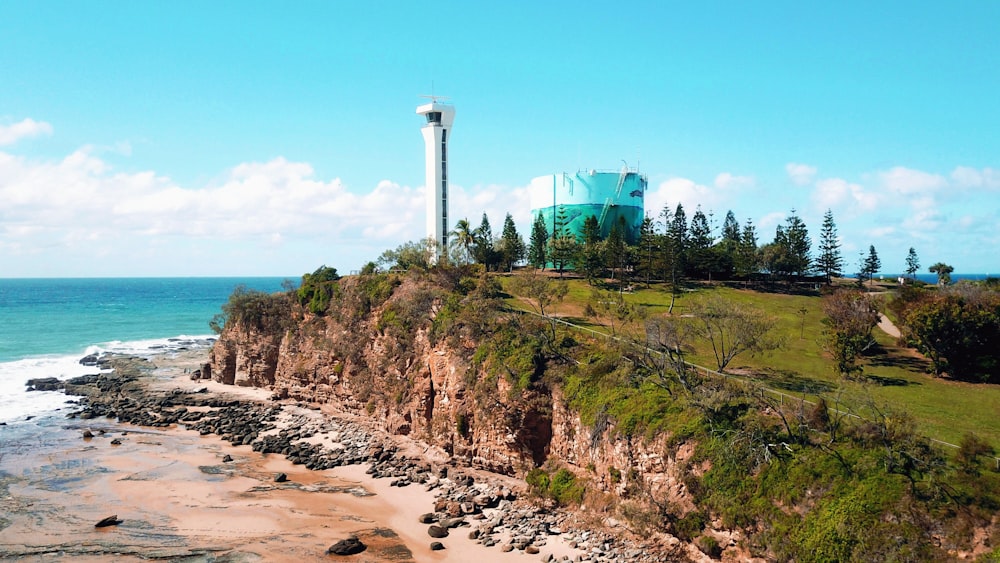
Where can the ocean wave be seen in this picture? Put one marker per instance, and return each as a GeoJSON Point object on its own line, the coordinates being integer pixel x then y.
{"type": "Point", "coordinates": [17, 405]}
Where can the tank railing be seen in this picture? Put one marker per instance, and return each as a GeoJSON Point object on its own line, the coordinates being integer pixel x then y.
{"type": "Point", "coordinates": [607, 171]}
{"type": "Point", "coordinates": [781, 396]}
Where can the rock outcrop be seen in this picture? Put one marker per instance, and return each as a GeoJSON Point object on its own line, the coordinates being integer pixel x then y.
{"type": "Point", "coordinates": [369, 362]}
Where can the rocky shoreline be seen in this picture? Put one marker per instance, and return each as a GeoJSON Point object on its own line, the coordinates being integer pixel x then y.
{"type": "Point", "coordinates": [485, 509]}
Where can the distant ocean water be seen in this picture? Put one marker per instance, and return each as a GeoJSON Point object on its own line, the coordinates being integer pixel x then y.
{"type": "Point", "coordinates": [47, 325]}
{"type": "Point", "coordinates": [932, 278]}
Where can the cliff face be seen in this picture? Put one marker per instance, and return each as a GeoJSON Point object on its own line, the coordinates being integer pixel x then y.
{"type": "Point", "coordinates": [393, 371]}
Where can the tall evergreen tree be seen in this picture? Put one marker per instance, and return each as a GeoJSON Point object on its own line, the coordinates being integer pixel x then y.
{"type": "Point", "coordinates": [615, 249]}
{"type": "Point", "coordinates": [562, 244]}
{"type": "Point", "coordinates": [648, 247]}
{"type": "Point", "coordinates": [698, 252]}
{"type": "Point", "coordinates": [512, 249]}
{"type": "Point", "coordinates": [675, 249]}
{"type": "Point", "coordinates": [798, 245]}
{"type": "Point", "coordinates": [830, 262]}
{"type": "Point", "coordinates": [484, 251]}
{"type": "Point", "coordinates": [871, 264]}
{"type": "Point", "coordinates": [591, 259]}
{"type": "Point", "coordinates": [731, 229]}
{"type": "Point", "coordinates": [676, 245]}
{"type": "Point", "coordinates": [538, 247]}
{"type": "Point", "coordinates": [912, 263]}
{"type": "Point", "coordinates": [746, 254]}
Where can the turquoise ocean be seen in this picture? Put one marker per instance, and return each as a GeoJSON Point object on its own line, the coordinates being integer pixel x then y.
{"type": "Point", "coordinates": [48, 325]}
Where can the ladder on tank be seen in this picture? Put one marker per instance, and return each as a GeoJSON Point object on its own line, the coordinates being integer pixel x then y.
{"type": "Point", "coordinates": [609, 203]}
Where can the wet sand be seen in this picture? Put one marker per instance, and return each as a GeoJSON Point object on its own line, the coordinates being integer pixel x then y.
{"type": "Point", "coordinates": [177, 499]}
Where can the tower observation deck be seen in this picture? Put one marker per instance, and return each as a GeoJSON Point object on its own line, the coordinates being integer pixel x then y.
{"type": "Point", "coordinates": [436, 131]}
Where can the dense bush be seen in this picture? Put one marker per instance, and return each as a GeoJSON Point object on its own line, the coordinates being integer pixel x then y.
{"type": "Point", "coordinates": [317, 289]}
{"type": "Point", "coordinates": [957, 328]}
{"type": "Point", "coordinates": [561, 486]}
{"type": "Point", "coordinates": [266, 313]}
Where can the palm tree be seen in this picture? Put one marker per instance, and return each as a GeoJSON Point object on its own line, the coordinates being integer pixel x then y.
{"type": "Point", "coordinates": [462, 238]}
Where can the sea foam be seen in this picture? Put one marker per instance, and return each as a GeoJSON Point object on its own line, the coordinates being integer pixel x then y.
{"type": "Point", "coordinates": [17, 405]}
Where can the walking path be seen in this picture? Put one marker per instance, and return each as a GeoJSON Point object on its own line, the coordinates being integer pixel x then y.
{"type": "Point", "coordinates": [887, 327]}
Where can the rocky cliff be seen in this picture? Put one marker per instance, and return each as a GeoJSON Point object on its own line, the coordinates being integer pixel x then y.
{"type": "Point", "coordinates": [410, 359]}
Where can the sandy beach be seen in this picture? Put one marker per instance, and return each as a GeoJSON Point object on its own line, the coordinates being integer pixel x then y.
{"type": "Point", "coordinates": [177, 498]}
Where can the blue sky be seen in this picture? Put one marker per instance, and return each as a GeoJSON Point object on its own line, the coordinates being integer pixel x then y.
{"type": "Point", "coordinates": [255, 138]}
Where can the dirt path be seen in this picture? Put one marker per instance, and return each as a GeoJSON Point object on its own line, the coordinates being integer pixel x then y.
{"type": "Point", "coordinates": [887, 327]}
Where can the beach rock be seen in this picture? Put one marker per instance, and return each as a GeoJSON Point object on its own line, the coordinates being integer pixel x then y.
{"type": "Point", "coordinates": [436, 531]}
{"type": "Point", "coordinates": [109, 521]}
{"type": "Point", "coordinates": [347, 546]}
{"type": "Point", "coordinates": [280, 478]}
{"type": "Point", "coordinates": [90, 360]}
{"type": "Point", "coordinates": [116, 442]}
{"type": "Point", "coordinates": [44, 384]}
{"type": "Point", "coordinates": [427, 518]}
{"type": "Point", "coordinates": [87, 434]}
{"type": "Point", "coordinates": [227, 458]}
{"type": "Point", "coordinates": [452, 522]}
{"type": "Point", "coordinates": [436, 546]}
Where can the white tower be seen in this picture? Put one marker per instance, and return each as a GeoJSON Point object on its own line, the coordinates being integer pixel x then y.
{"type": "Point", "coordinates": [436, 131]}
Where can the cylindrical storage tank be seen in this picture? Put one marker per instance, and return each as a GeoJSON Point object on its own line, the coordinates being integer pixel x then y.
{"type": "Point", "coordinates": [607, 196]}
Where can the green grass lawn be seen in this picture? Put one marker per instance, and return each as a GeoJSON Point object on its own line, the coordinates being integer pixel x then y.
{"type": "Point", "coordinates": [895, 377]}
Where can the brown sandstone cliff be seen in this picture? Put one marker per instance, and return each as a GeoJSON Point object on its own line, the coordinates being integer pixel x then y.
{"type": "Point", "coordinates": [433, 389]}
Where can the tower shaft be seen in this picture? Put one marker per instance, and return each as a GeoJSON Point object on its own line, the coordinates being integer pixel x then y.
{"type": "Point", "coordinates": [436, 134]}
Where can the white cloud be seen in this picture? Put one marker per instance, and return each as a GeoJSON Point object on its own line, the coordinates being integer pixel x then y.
{"type": "Point", "coordinates": [768, 223]}
{"type": "Point", "coordinates": [10, 134]}
{"type": "Point", "coordinates": [924, 222]}
{"type": "Point", "coordinates": [907, 181]}
{"type": "Point", "coordinates": [681, 190]}
{"type": "Point", "coordinates": [832, 193]}
{"type": "Point", "coordinates": [880, 232]}
{"type": "Point", "coordinates": [83, 198]}
{"type": "Point", "coordinates": [81, 204]}
{"type": "Point", "coordinates": [966, 177]}
{"type": "Point", "coordinates": [727, 181]}
{"type": "Point", "coordinates": [800, 174]}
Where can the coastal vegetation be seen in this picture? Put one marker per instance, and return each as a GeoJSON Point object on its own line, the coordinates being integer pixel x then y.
{"type": "Point", "coordinates": [814, 434]}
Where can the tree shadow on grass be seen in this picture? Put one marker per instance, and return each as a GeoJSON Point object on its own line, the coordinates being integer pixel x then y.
{"type": "Point", "coordinates": [890, 381]}
{"type": "Point", "coordinates": [792, 381]}
{"type": "Point", "coordinates": [893, 359]}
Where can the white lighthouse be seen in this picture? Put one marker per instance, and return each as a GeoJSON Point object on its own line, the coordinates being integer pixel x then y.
{"type": "Point", "coordinates": [436, 132]}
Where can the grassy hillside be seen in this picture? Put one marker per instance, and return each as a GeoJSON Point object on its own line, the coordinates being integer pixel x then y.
{"type": "Point", "coordinates": [945, 410]}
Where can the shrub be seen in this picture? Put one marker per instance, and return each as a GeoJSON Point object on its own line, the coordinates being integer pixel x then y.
{"type": "Point", "coordinates": [562, 486]}
{"type": "Point", "coordinates": [266, 313]}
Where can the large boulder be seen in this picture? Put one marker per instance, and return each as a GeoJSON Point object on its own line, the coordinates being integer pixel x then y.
{"type": "Point", "coordinates": [347, 546]}
{"type": "Point", "coordinates": [45, 384]}
{"type": "Point", "coordinates": [436, 531]}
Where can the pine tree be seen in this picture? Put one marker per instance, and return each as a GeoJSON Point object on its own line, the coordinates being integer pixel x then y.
{"type": "Point", "coordinates": [562, 244]}
{"type": "Point", "coordinates": [798, 245]}
{"type": "Point", "coordinates": [731, 229]}
{"type": "Point", "coordinates": [512, 248]}
{"type": "Point", "coordinates": [675, 248]}
{"type": "Point", "coordinates": [699, 246]}
{"type": "Point", "coordinates": [830, 261]}
{"type": "Point", "coordinates": [746, 261]}
{"type": "Point", "coordinates": [676, 245]}
{"type": "Point", "coordinates": [872, 264]}
{"type": "Point", "coordinates": [615, 248]}
{"type": "Point", "coordinates": [483, 249]}
{"type": "Point", "coordinates": [591, 260]}
{"type": "Point", "coordinates": [648, 247]}
{"type": "Point", "coordinates": [912, 263]}
{"type": "Point", "coordinates": [537, 251]}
